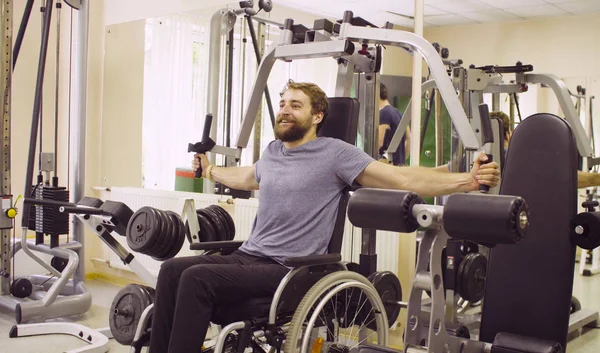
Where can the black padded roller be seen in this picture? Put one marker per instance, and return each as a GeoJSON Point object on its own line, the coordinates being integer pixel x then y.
{"type": "Point", "coordinates": [585, 232]}
{"type": "Point", "coordinates": [487, 219]}
{"type": "Point", "coordinates": [384, 210]}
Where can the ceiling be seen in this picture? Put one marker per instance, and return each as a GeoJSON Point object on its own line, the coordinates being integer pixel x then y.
{"type": "Point", "coordinates": [446, 12]}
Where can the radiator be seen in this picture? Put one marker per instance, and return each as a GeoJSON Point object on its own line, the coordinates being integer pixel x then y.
{"type": "Point", "coordinates": [243, 213]}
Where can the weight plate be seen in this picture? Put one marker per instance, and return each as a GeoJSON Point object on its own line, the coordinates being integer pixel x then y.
{"type": "Point", "coordinates": [125, 312]}
{"type": "Point", "coordinates": [468, 247]}
{"type": "Point", "coordinates": [167, 237]}
{"type": "Point", "coordinates": [59, 263]}
{"type": "Point", "coordinates": [230, 222]}
{"type": "Point", "coordinates": [141, 228]}
{"type": "Point", "coordinates": [179, 232]}
{"type": "Point", "coordinates": [161, 234]}
{"type": "Point", "coordinates": [207, 230]}
{"type": "Point", "coordinates": [217, 212]}
{"type": "Point", "coordinates": [575, 305]}
{"type": "Point", "coordinates": [388, 286]}
{"type": "Point", "coordinates": [471, 277]}
{"type": "Point", "coordinates": [218, 223]}
{"type": "Point", "coordinates": [21, 288]}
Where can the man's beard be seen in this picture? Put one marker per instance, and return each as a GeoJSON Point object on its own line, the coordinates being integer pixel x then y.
{"type": "Point", "coordinates": [293, 133]}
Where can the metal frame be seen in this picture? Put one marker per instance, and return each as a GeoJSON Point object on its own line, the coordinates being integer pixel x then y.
{"type": "Point", "coordinates": [46, 302]}
{"type": "Point", "coordinates": [6, 33]}
{"type": "Point", "coordinates": [434, 239]}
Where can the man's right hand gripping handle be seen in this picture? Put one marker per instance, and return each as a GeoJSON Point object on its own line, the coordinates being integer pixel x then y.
{"type": "Point", "coordinates": [205, 145]}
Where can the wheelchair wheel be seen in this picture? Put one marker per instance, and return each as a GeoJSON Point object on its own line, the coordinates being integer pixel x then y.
{"type": "Point", "coordinates": [335, 314]}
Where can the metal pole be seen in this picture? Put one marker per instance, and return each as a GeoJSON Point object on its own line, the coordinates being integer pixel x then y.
{"type": "Point", "coordinates": [439, 134]}
{"type": "Point", "coordinates": [417, 92]}
{"type": "Point", "coordinates": [6, 30]}
{"type": "Point", "coordinates": [77, 131]}
{"type": "Point", "coordinates": [219, 24]}
{"type": "Point", "coordinates": [259, 52]}
{"type": "Point", "coordinates": [259, 49]}
{"type": "Point", "coordinates": [368, 255]}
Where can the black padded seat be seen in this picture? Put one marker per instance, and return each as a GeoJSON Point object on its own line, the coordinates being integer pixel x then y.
{"type": "Point", "coordinates": [341, 123]}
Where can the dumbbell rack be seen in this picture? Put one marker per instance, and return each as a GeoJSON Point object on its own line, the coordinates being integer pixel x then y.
{"type": "Point", "coordinates": [106, 227]}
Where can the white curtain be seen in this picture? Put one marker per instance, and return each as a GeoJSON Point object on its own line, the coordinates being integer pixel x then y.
{"type": "Point", "coordinates": [174, 95]}
{"type": "Point", "coordinates": [175, 82]}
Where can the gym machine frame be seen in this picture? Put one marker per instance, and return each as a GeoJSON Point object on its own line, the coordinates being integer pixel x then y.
{"type": "Point", "coordinates": [105, 227]}
{"type": "Point", "coordinates": [473, 83]}
{"type": "Point", "coordinates": [75, 298]}
{"type": "Point", "coordinates": [320, 43]}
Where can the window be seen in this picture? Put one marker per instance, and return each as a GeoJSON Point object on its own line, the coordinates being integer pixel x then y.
{"type": "Point", "coordinates": [175, 90]}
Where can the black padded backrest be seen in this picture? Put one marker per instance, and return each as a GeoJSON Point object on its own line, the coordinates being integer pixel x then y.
{"type": "Point", "coordinates": [529, 284]}
{"type": "Point", "coordinates": [342, 120]}
{"type": "Point", "coordinates": [341, 123]}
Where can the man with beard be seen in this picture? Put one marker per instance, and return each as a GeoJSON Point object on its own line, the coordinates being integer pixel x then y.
{"type": "Point", "coordinates": [301, 178]}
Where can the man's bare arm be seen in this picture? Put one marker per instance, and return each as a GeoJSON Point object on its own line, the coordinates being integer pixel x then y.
{"type": "Point", "coordinates": [423, 181]}
{"type": "Point", "coordinates": [240, 178]}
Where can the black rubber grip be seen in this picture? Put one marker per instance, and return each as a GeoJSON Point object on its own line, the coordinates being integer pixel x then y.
{"type": "Point", "coordinates": [486, 188]}
{"type": "Point", "coordinates": [205, 145]}
{"type": "Point", "coordinates": [384, 210]}
{"type": "Point", "coordinates": [489, 219]}
{"type": "Point", "coordinates": [487, 134]}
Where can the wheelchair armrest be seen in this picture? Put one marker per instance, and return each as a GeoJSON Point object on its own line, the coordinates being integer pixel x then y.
{"type": "Point", "coordinates": [216, 245]}
{"type": "Point", "coordinates": [312, 260]}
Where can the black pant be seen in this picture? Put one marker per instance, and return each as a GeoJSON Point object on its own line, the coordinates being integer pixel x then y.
{"type": "Point", "coordinates": [189, 287]}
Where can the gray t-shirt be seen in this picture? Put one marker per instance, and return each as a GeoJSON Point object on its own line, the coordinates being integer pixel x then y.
{"type": "Point", "coordinates": [300, 190]}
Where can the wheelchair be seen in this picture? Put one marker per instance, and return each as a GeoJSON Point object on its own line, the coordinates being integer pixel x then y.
{"type": "Point", "coordinates": [264, 322]}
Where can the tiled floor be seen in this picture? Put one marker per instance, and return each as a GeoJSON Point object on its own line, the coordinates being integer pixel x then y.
{"type": "Point", "coordinates": [587, 289]}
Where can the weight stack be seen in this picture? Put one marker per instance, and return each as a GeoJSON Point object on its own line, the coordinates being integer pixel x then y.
{"type": "Point", "coordinates": [48, 219]}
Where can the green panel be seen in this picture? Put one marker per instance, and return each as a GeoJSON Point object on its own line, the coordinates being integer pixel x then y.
{"type": "Point", "coordinates": [187, 183]}
{"type": "Point", "coordinates": [429, 140]}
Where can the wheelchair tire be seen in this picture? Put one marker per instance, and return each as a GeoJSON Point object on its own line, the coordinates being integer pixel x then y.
{"type": "Point", "coordinates": [320, 294]}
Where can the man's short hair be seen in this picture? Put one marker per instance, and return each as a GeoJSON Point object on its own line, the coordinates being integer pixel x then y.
{"type": "Point", "coordinates": [318, 99]}
{"type": "Point", "coordinates": [505, 121]}
{"type": "Point", "coordinates": [383, 92]}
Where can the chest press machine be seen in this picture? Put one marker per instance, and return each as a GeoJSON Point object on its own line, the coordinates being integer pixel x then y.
{"type": "Point", "coordinates": [526, 304]}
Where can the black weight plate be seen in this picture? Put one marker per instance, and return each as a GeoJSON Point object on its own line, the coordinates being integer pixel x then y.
{"type": "Point", "coordinates": [388, 286]}
{"type": "Point", "coordinates": [218, 214]}
{"type": "Point", "coordinates": [468, 247]}
{"type": "Point", "coordinates": [58, 263]}
{"type": "Point", "coordinates": [141, 228]}
{"type": "Point", "coordinates": [218, 223]}
{"type": "Point", "coordinates": [229, 221]}
{"type": "Point", "coordinates": [21, 288]}
{"type": "Point", "coordinates": [226, 218]}
{"type": "Point", "coordinates": [472, 277]}
{"type": "Point", "coordinates": [161, 236]}
{"type": "Point", "coordinates": [207, 230]}
{"type": "Point", "coordinates": [125, 311]}
{"type": "Point", "coordinates": [176, 233]}
{"type": "Point", "coordinates": [167, 238]}
{"type": "Point", "coordinates": [180, 235]}
{"type": "Point", "coordinates": [575, 305]}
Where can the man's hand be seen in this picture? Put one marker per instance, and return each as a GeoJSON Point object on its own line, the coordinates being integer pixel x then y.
{"type": "Point", "coordinates": [200, 159]}
{"type": "Point", "coordinates": [484, 174]}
